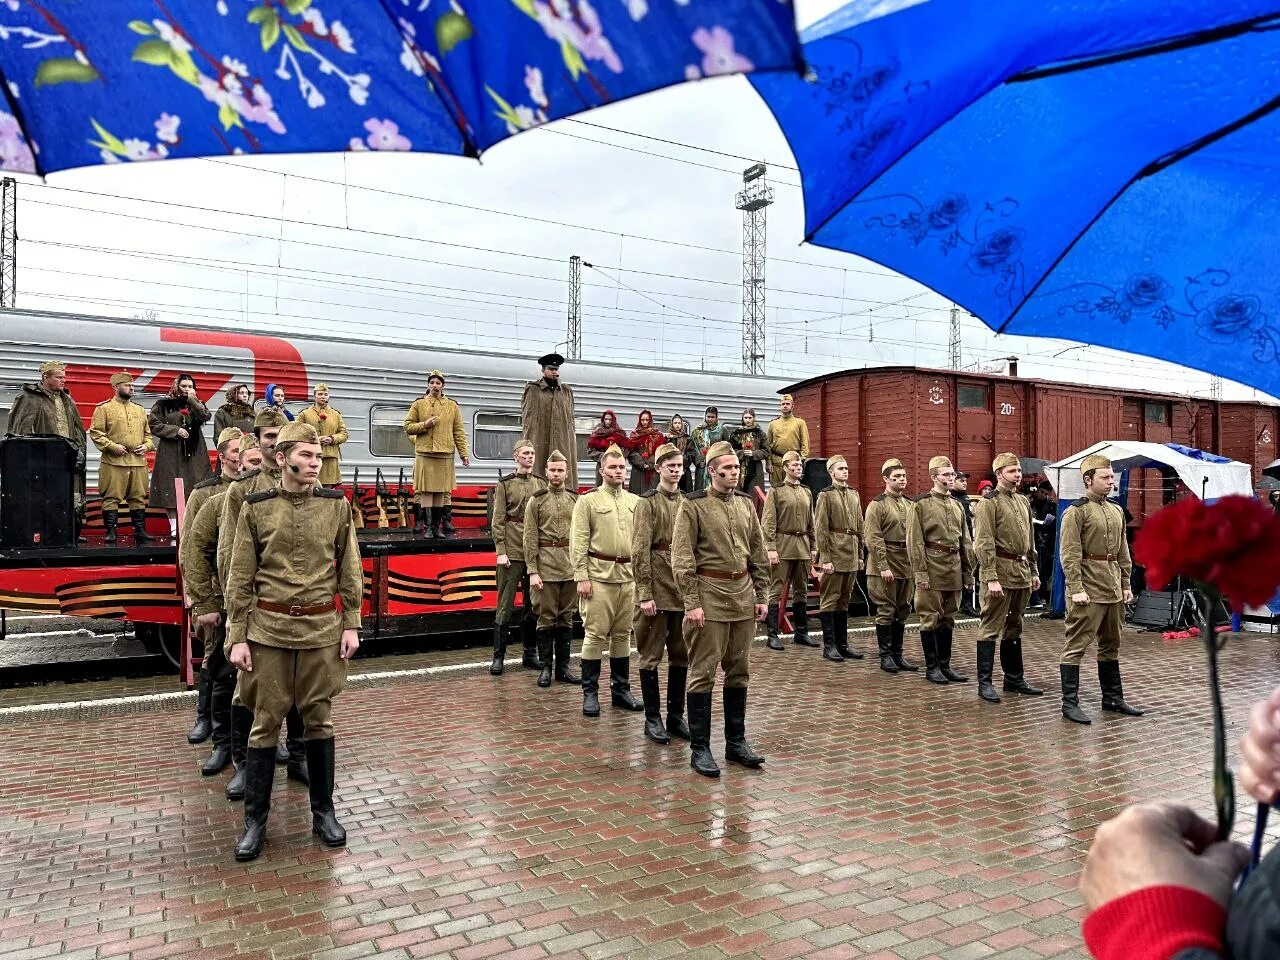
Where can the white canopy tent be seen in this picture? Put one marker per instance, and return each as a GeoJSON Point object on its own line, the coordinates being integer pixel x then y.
{"type": "Point", "coordinates": [1205, 478]}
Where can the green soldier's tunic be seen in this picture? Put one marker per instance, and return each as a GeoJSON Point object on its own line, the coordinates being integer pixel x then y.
{"type": "Point", "coordinates": [198, 555]}
{"type": "Point", "coordinates": [786, 432]}
{"type": "Point", "coordinates": [328, 423]}
{"type": "Point", "coordinates": [40, 412]}
{"type": "Point", "coordinates": [1095, 560]}
{"type": "Point", "coordinates": [117, 427]}
{"type": "Point", "coordinates": [265, 478]}
{"type": "Point", "coordinates": [654, 525]}
{"type": "Point", "coordinates": [600, 551]}
{"type": "Point", "coordinates": [885, 529]}
{"type": "Point", "coordinates": [547, 516]}
{"type": "Point", "coordinates": [718, 557]}
{"type": "Point", "coordinates": [941, 556]}
{"type": "Point", "coordinates": [293, 553]}
{"type": "Point", "coordinates": [509, 499]}
{"type": "Point", "coordinates": [1006, 552]}
{"type": "Point", "coordinates": [434, 446]}
{"type": "Point", "coordinates": [201, 494]}
{"type": "Point", "coordinates": [837, 525]}
{"type": "Point", "coordinates": [787, 524]}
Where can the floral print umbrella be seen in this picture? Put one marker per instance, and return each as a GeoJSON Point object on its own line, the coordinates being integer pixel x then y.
{"type": "Point", "coordinates": [109, 81]}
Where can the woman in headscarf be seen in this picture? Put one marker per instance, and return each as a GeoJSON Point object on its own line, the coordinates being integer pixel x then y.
{"type": "Point", "coordinates": [606, 434]}
{"type": "Point", "coordinates": [176, 421]}
{"type": "Point", "coordinates": [274, 396]}
{"type": "Point", "coordinates": [752, 446]}
{"type": "Point", "coordinates": [645, 439]}
{"type": "Point", "coordinates": [678, 437]}
{"type": "Point", "coordinates": [236, 411]}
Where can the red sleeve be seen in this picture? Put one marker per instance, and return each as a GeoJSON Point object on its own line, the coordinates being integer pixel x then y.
{"type": "Point", "coordinates": [1155, 923]}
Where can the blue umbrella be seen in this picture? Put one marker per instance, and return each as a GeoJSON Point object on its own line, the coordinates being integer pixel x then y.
{"type": "Point", "coordinates": [90, 81]}
{"type": "Point", "coordinates": [1103, 172]}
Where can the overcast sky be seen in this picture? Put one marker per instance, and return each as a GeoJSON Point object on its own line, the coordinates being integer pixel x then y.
{"type": "Point", "coordinates": [635, 207]}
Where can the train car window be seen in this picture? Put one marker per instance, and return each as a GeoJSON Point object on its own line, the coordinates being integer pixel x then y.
{"type": "Point", "coordinates": [583, 427]}
{"type": "Point", "coordinates": [386, 432]}
{"type": "Point", "coordinates": [4, 420]}
{"type": "Point", "coordinates": [971, 396]}
{"type": "Point", "coordinates": [494, 435]}
{"type": "Point", "coordinates": [1155, 412]}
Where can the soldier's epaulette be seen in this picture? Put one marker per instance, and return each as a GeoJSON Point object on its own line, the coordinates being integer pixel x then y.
{"type": "Point", "coordinates": [739, 493]}
{"type": "Point", "coordinates": [541, 493]}
{"type": "Point", "coordinates": [649, 493]}
{"type": "Point", "coordinates": [1081, 502]}
{"type": "Point", "coordinates": [922, 496]}
{"type": "Point", "coordinates": [249, 476]}
{"type": "Point", "coordinates": [879, 498]}
{"type": "Point", "coordinates": [211, 482]}
{"type": "Point", "coordinates": [696, 495]}
{"type": "Point", "coordinates": [329, 493]}
{"type": "Point", "coordinates": [262, 495]}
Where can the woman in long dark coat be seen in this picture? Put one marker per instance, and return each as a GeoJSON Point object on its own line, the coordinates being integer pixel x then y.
{"type": "Point", "coordinates": [236, 411]}
{"type": "Point", "coordinates": [175, 423]}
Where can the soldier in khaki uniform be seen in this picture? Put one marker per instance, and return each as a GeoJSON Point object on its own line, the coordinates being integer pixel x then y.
{"type": "Point", "coordinates": [295, 549]}
{"type": "Point", "coordinates": [434, 423]}
{"type": "Point", "coordinates": [332, 432]}
{"type": "Point", "coordinates": [722, 571]}
{"type": "Point", "coordinates": [600, 551]}
{"type": "Point", "coordinates": [119, 430]}
{"type": "Point", "coordinates": [786, 432]}
{"type": "Point", "coordinates": [889, 565]}
{"type": "Point", "coordinates": [659, 616]}
{"type": "Point", "coordinates": [1096, 562]}
{"type": "Point", "coordinates": [547, 515]}
{"type": "Point", "coordinates": [1006, 554]}
{"type": "Point", "coordinates": [510, 497]}
{"type": "Point", "coordinates": [837, 525]}
{"type": "Point", "coordinates": [942, 563]}
{"type": "Point", "coordinates": [787, 522]}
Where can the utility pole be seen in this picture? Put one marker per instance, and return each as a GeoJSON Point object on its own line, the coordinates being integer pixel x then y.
{"type": "Point", "coordinates": [752, 199]}
{"type": "Point", "coordinates": [573, 346]}
{"type": "Point", "coordinates": [9, 243]}
{"type": "Point", "coordinates": [953, 342]}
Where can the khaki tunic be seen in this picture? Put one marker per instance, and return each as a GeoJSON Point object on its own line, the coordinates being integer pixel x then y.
{"type": "Point", "coordinates": [434, 446]}
{"type": "Point", "coordinates": [787, 523]}
{"type": "Point", "coordinates": [885, 530]}
{"type": "Point", "coordinates": [509, 499]}
{"type": "Point", "coordinates": [1002, 532]}
{"type": "Point", "coordinates": [547, 516]}
{"type": "Point", "coordinates": [262, 479]}
{"type": "Point", "coordinates": [603, 523]}
{"type": "Point", "coordinates": [328, 423]}
{"type": "Point", "coordinates": [117, 427]}
{"type": "Point", "coordinates": [1093, 526]}
{"type": "Point", "coordinates": [653, 528]}
{"type": "Point", "coordinates": [201, 494]}
{"type": "Point", "coordinates": [787, 432]}
{"type": "Point", "coordinates": [546, 413]}
{"type": "Point", "coordinates": [198, 556]}
{"type": "Point", "coordinates": [939, 547]}
{"type": "Point", "coordinates": [837, 525]}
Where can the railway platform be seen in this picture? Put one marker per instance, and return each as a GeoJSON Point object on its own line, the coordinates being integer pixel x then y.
{"type": "Point", "coordinates": [894, 819]}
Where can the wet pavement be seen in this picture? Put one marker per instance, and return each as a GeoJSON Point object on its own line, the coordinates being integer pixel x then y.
{"type": "Point", "coordinates": [894, 819]}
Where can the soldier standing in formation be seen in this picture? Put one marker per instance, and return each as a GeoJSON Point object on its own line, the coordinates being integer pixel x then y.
{"type": "Point", "coordinates": [1096, 562]}
{"type": "Point", "coordinates": [889, 565]}
{"type": "Point", "coordinates": [659, 615]}
{"type": "Point", "coordinates": [786, 432]}
{"type": "Point", "coordinates": [942, 563]}
{"type": "Point", "coordinates": [1006, 554]}
{"type": "Point", "coordinates": [600, 551]}
{"type": "Point", "coordinates": [705, 436]}
{"type": "Point", "coordinates": [722, 572]}
{"type": "Point", "coordinates": [435, 424]}
{"type": "Point", "coordinates": [510, 497]}
{"type": "Point", "coordinates": [119, 430]}
{"type": "Point", "coordinates": [295, 549]}
{"type": "Point", "coordinates": [547, 417]}
{"type": "Point", "coordinates": [46, 409]}
{"type": "Point", "coordinates": [176, 422]}
{"type": "Point", "coordinates": [787, 523]}
{"type": "Point", "coordinates": [332, 432]}
{"type": "Point", "coordinates": [547, 516]}
{"type": "Point", "coordinates": [837, 528]}
{"type": "Point", "coordinates": [960, 491]}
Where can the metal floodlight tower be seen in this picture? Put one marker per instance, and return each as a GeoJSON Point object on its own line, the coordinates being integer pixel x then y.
{"type": "Point", "coordinates": [752, 199]}
{"type": "Point", "coordinates": [9, 243]}
{"type": "Point", "coordinates": [953, 342]}
{"type": "Point", "coordinates": [573, 342]}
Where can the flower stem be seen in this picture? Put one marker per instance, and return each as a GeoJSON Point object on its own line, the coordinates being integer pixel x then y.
{"type": "Point", "coordinates": [1224, 796]}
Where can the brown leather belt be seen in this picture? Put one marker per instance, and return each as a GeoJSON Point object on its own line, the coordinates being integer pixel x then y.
{"type": "Point", "coordinates": [794, 533]}
{"type": "Point", "coordinates": [845, 530]}
{"type": "Point", "coordinates": [721, 574]}
{"type": "Point", "coordinates": [941, 546]}
{"type": "Point", "coordinates": [1101, 557]}
{"type": "Point", "coordinates": [1005, 555]}
{"type": "Point", "coordinates": [515, 518]}
{"type": "Point", "coordinates": [661, 545]}
{"type": "Point", "coordinates": [294, 610]}
{"type": "Point", "coordinates": [900, 544]}
{"type": "Point", "coordinates": [553, 543]}
{"type": "Point", "coordinates": [605, 556]}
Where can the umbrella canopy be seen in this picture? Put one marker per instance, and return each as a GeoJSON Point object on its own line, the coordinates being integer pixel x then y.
{"type": "Point", "coordinates": [1267, 483]}
{"type": "Point", "coordinates": [1032, 465]}
{"type": "Point", "coordinates": [1108, 178]}
{"type": "Point", "coordinates": [1272, 469]}
{"type": "Point", "coordinates": [99, 82]}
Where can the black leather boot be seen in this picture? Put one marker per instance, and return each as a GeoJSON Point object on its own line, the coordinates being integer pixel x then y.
{"type": "Point", "coordinates": [929, 644]}
{"type": "Point", "coordinates": [829, 651]}
{"type": "Point", "coordinates": [221, 689]}
{"type": "Point", "coordinates": [946, 637]}
{"type": "Point", "coordinates": [241, 724]}
{"type": "Point", "coordinates": [447, 529]}
{"type": "Point", "coordinates": [591, 688]}
{"type": "Point", "coordinates": [429, 531]}
{"type": "Point", "coordinates": [899, 631]}
{"type": "Point", "coordinates": [564, 637]}
{"type": "Point", "coordinates": [324, 821]}
{"type": "Point", "coordinates": [840, 632]}
{"type": "Point", "coordinates": [800, 624]}
{"type": "Point", "coordinates": [546, 653]}
{"type": "Point", "coordinates": [139, 518]}
{"type": "Point", "coordinates": [499, 649]}
{"type": "Point", "coordinates": [202, 729]}
{"type": "Point", "coordinates": [700, 756]}
{"type": "Point", "coordinates": [433, 522]}
{"type": "Point", "coordinates": [676, 725]}
{"type": "Point", "coordinates": [736, 748]}
{"type": "Point", "coordinates": [620, 684]}
{"type": "Point", "coordinates": [282, 753]}
{"type": "Point", "coordinates": [884, 642]}
{"type": "Point", "coordinates": [1011, 665]}
{"type": "Point", "coordinates": [1113, 689]}
{"type": "Point", "coordinates": [528, 627]}
{"type": "Point", "coordinates": [771, 624]}
{"type": "Point", "coordinates": [419, 520]}
{"type": "Point", "coordinates": [109, 520]}
{"type": "Point", "coordinates": [1070, 673]}
{"type": "Point", "coordinates": [296, 767]}
{"type": "Point", "coordinates": [654, 728]}
{"type": "Point", "coordinates": [260, 770]}
{"type": "Point", "coordinates": [986, 667]}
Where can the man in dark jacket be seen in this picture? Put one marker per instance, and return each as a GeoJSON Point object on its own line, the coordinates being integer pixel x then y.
{"type": "Point", "coordinates": [46, 409]}
{"type": "Point", "coordinates": [960, 491]}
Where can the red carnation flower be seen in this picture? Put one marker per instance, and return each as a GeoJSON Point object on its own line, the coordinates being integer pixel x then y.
{"type": "Point", "coordinates": [323, 417]}
{"type": "Point", "coordinates": [1233, 545]}
{"type": "Point", "coordinates": [185, 411]}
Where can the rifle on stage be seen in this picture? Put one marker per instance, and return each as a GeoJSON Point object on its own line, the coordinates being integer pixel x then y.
{"type": "Point", "coordinates": [380, 491]}
{"type": "Point", "coordinates": [357, 511]}
{"type": "Point", "coordinates": [402, 503]}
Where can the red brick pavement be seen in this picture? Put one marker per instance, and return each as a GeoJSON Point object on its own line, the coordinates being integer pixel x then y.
{"type": "Point", "coordinates": [894, 820]}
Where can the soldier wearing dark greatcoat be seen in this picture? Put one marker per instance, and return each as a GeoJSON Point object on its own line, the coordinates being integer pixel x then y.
{"type": "Point", "coordinates": [47, 409]}
{"type": "Point", "coordinates": [547, 416]}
